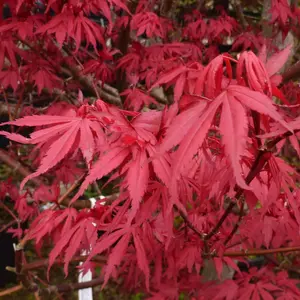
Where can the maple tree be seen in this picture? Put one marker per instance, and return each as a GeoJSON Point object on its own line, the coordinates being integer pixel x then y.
{"type": "Point", "coordinates": [195, 150]}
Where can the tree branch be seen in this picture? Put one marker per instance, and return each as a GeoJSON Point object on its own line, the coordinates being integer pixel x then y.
{"type": "Point", "coordinates": [45, 262]}
{"type": "Point", "coordinates": [17, 166]}
{"type": "Point", "coordinates": [291, 73]}
{"type": "Point", "coordinates": [257, 252]}
{"type": "Point", "coordinates": [21, 169]}
{"type": "Point", "coordinates": [75, 286]}
{"type": "Point", "coordinates": [240, 14]}
{"type": "Point", "coordinates": [258, 164]}
{"type": "Point", "coordinates": [11, 290]}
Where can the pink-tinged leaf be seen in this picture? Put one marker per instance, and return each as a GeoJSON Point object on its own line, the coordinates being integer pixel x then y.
{"type": "Point", "coordinates": [142, 258]}
{"type": "Point", "coordinates": [69, 221]}
{"type": "Point", "coordinates": [179, 86]}
{"type": "Point", "coordinates": [234, 131]}
{"type": "Point", "coordinates": [219, 266]}
{"type": "Point", "coordinates": [44, 135]}
{"type": "Point", "coordinates": [264, 294]}
{"type": "Point", "coordinates": [169, 113]}
{"type": "Point", "coordinates": [262, 55]}
{"type": "Point", "coordinates": [161, 164]}
{"type": "Point", "coordinates": [180, 126]}
{"type": "Point", "coordinates": [60, 246]}
{"type": "Point", "coordinates": [247, 293]}
{"type": "Point", "coordinates": [57, 151]}
{"type": "Point", "coordinates": [106, 163]}
{"type": "Point", "coordinates": [255, 295]}
{"type": "Point", "coordinates": [149, 121]}
{"type": "Point", "coordinates": [137, 179]}
{"type": "Point", "coordinates": [170, 76]}
{"type": "Point", "coordinates": [271, 287]}
{"type": "Point", "coordinates": [276, 92]}
{"type": "Point", "coordinates": [228, 291]}
{"type": "Point", "coordinates": [277, 61]}
{"type": "Point", "coordinates": [107, 241]}
{"type": "Point", "coordinates": [87, 143]}
{"type": "Point", "coordinates": [116, 256]}
{"type": "Point", "coordinates": [194, 137]}
{"type": "Point", "coordinates": [73, 246]}
{"type": "Point", "coordinates": [229, 261]}
{"type": "Point", "coordinates": [39, 120]}
{"type": "Point", "coordinates": [257, 102]}
{"type": "Point", "coordinates": [210, 80]}
{"type": "Point", "coordinates": [16, 137]}
{"type": "Point", "coordinates": [63, 134]}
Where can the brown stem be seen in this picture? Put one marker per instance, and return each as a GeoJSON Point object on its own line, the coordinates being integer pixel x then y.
{"type": "Point", "coordinates": [200, 5]}
{"type": "Point", "coordinates": [17, 166]}
{"type": "Point", "coordinates": [237, 224]}
{"type": "Point", "coordinates": [256, 122]}
{"type": "Point", "coordinates": [75, 286]}
{"type": "Point", "coordinates": [271, 144]}
{"type": "Point", "coordinates": [11, 290]}
{"type": "Point", "coordinates": [189, 223]}
{"type": "Point", "coordinates": [6, 226]}
{"type": "Point", "coordinates": [45, 262]}
{"type": "Point", "coordinates": [240, 14]}
{"type": "Point", "coordinates": [76, 74]}
{"type": "Point", "coordinates": [291, 73]}
{"type": "Point", "coordinates": [255, 169]}
{"type": "Point", "coordinates": [88, 85]}
{"type": "Point", "coordinates": [64, 197]}
{"type": "Point", "coordinates": [258, 164]}
{"type": "Point", "coordinates": [257, 252]}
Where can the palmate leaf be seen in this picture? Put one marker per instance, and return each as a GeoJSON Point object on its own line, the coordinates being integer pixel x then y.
{"type": "Point", "coordinates": [65, 132]}
{"type": "Point", "coordinates": [137, 179]}
{"type": "Point", "coordinates": [234, 131]}
{"type": "Point", "coordinates": [176, 76]}
{"type": "Point", "coordinates": [67, 24]}
{"type": "Point", "coordinates": [277, 61]}
{"type": "Point", "coordinates": [74, 240]}
{"type": "Point", "coordinates": [233, 128]}
{"type": "Point", "coordinates": [106, 163]}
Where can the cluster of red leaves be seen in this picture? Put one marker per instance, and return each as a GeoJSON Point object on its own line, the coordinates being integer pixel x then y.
{"type": "Point", "coordinates": [182, 160]}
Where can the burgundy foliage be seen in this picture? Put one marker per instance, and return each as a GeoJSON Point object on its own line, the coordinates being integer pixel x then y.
{"type": "Point", "coordinates": [200, 172]}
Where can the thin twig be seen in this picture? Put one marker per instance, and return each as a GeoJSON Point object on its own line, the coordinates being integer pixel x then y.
{"type": "Point", "coordinates": [256, 168]}
{"type": "Point", "coordinates": [258, 164]}
{"type": "Point", "coordinates": [257, 252]}
{"type": "Point", "coordinates": [240, 14]}
{"type": "Point", "coordinates": [189, 223]}
{"type": "Point", "coordinates": [291, 73]}
{"type": "Point", "coordinates": [71, 189]}
{"type": "Point", "coordinates": [237, 224]}
{"type": "Point", "coordinates": [45, 262]}
{"type": "Point", "coordinates": [11, 290]}
{"type": "Point", "coordinates": [6, 226]}
{"type": "Point", "coordinates": [17, 166]}
{"type": "Point", "coordinates": [75, 286]}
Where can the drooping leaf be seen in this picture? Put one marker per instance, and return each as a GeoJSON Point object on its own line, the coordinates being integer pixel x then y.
{"type": "Point", "coordinates": [234, 131]}
{"type": "Point", "coordinates": [137, 178]}
{"type": "Point", "coordinates": [277, 61]}
{"type": "Point", "coordinates": [106, 163]}
{"type": "Point", "coordinates": [257, 102]}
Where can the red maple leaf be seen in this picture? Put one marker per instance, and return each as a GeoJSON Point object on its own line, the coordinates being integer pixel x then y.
{"type": "Point", "coordinates": [77, 26]}
{"type": "Point", "coordinates": [148, 23]}
{"type": "Point", "coordinates": [64, 132]}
